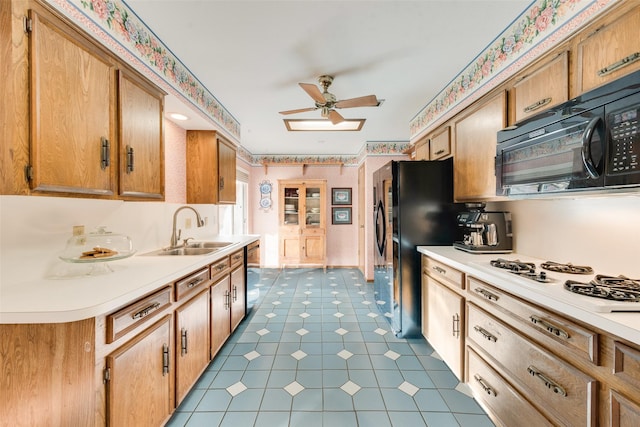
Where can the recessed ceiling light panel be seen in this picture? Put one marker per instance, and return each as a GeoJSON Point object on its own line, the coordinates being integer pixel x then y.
{"type": "Point", "coordinates": [316, 125]}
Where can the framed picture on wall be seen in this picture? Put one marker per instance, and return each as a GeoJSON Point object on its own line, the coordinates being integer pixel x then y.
{"type": "Point", "coordinates": [341, 215]}
{"type": "Point", "coordinates": [341, 196]}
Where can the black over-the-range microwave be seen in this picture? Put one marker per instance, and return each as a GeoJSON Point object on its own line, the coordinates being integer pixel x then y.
{"type": "Point", "coordinates": [591, 142]}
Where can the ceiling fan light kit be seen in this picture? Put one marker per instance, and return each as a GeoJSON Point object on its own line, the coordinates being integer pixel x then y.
{"type": "Point", "coordinates": [327, 102]}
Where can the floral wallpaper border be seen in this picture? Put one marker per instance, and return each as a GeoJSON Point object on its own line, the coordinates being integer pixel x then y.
{"type": "Point", "coordinates": [369, 149]}
{"type": "Point", "coordinates": [545, 24]}
{"type": "Point", "coordinates": [117, 26]}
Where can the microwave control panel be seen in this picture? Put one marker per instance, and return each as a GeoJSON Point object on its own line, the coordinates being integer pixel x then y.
{"type": "Point", "coordinates": [625, 142]}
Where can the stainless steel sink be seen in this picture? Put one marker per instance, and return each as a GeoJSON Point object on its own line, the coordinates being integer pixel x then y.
{"type": "Point", "coordinates": [182, 251]}
{"type": "Point", "coordinates": [208, 245]}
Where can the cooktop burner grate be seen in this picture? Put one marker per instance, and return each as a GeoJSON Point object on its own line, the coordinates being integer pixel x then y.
{"type": "Point", "coordinates": [566, 268]}
{"type": "Point", "coordinates": [618, 288]}
{"type": "Point", "coordinates": [515, 266]}
{"type": "Point", "coordinates": [520, 268]}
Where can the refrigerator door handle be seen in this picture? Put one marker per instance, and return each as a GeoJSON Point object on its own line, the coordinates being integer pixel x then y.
{"type": "Point", "coordinates": [381, 228]}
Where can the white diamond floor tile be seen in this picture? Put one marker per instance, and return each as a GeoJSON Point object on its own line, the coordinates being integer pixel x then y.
{"type": "Point", "coordinates": [345, 354]}
{"type": "Point", "coordinates": [408, 388]}
{"type": "Point", "coordinates": [262, 332]}
{"type": "Point", "coordinates": [336, 302]}
{"type": "Point", "coordinates": [270, 315]}
{"type": "Point", "coordinates": [304, 315]}
{"type": "Point", "coordinates": [341, 331]}
{"type": "Point", "coordinates": [294, 388]}
{"type": "Point", "coordinates": [302, 332]}
{"type": "Point", "coordinates": [298, 355]}
{"type": "Point", "coordinates": [366, 302]}
{"type": "Point", "coordinates": [338, 315]}
{"type": "Point", "coordinates": [372, 315]}
{"type": "Point", "coordinates": [276, 303]}
{"type": "Point", "coordinates": [252, 355]}
{"type": "Point", "coordinates": [392, 355]}
{"type": "Point", "coordinates": [380, 331]}
{"type": "Point", "coordinates": [236, 388]}
{"type": "Point", "coordinates": [350, 388]}
{"type": "Point", "coordinates": [306, 302]}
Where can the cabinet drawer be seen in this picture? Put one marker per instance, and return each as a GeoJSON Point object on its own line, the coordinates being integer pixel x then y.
{"type": "Point", "coordinates": [626, 364]}
{"type": "Point", "coordinates": [237, 258]}
{"type": "Point", "coordinates": [550, 328]}
{"type": "Point", "coordinates": [220, 268]}
{"type": "Point", "coordinates": [135, 314]}
{"type": "Point", "coordinates": [192, 282]}
{"type": "Point", "coordinates": [498, 396]}
{"type": "Point", "coordinates": [568, 394]}
{"type": "Point", "coordinates": [624, 412]}
{"type": "Point", "coordinates": [442, 272]}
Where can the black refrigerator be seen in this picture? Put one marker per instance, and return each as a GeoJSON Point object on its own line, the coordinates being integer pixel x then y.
{"type": "Point", "coordinates": [413, 206]}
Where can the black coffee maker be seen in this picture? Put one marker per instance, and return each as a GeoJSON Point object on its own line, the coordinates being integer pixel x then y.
{"type": "Point", "coordinates": [484, 231]}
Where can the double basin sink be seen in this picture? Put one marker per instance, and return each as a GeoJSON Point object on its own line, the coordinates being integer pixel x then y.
{"type": "Point", "coordinates": [192, 248]}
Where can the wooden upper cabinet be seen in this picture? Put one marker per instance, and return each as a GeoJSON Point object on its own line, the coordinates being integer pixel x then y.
{"type": "Point", "coordinates": [211, 168]}
{"type": "Point", "coordinates": [226, 172]}
{"type": "Point", "coordinates": [421, 150]}
{"type": "Point", "coordinates": [72, 113]}
{"type": "Point", "coordinates": [475, 150]}
{"type": "Point", "coordinates": [141, 161]}
{"type": "Point", "coordinates": [440, 144]}
{"type": "Point", "coordinates": [610, 52]}
{"type": "Point", "coordinates": [542, 88]}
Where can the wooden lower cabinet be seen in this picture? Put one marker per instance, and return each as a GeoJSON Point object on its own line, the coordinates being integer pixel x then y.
{"type": "Point", "coordinates": [220, 314]}
{"type": "Point", "coordinates": [443, 312]}
{"type": "Point", "coordinates": [139, 386]}
{"type": "Point", "coordinates": [192, 342]}
{"type": "Point", "coordinates": [238, 297]}
{"type": "Point", "coordinates": [504, 404]}
{"type": "Point", "coordinates": [444, 324]}
{"type": "Point", "coordinates": [560, 390]}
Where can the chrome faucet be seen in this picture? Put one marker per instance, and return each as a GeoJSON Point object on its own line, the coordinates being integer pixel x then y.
{"type": "Point", "coordinates": [175, 236]}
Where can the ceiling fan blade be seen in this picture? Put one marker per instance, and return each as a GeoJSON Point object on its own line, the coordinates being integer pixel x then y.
{"type": "Point", "coordinates": [314, 92]}
{"type": "Point", "coordinates": [335, 117]}
{"type": "Point", "coordinates": [300, 110]}
{"type": "Point", "coordinates": [363, 101]}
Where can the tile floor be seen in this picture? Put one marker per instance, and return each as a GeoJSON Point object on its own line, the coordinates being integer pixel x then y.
{"type": "Point", "coordinates": [315, 351]}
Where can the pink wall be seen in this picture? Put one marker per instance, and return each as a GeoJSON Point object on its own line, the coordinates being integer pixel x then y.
{"type": "Point", "coordinates": [342, 240]}
{"type": "Point", "coordinates": [175, 163]}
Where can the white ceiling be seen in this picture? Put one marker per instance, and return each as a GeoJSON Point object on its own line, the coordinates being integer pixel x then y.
{"type": "Point", "coordinates": [251, 54]}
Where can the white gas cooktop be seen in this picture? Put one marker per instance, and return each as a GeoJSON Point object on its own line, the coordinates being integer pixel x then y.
{"type": "Point", "coordinates": [555, 287]}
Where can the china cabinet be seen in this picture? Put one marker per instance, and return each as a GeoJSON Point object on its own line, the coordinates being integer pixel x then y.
{"type": "Point", "coordinates": [302, 222]}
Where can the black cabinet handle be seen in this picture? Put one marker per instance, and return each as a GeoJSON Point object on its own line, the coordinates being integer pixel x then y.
{"type": "Point", "coordinates": [130, 159]}
{"type": "Point", "coordinates": [105, 153]}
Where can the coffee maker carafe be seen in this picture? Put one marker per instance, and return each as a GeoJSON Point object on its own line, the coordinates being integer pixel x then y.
{"type": "Point", "coordinates": [484, 231]}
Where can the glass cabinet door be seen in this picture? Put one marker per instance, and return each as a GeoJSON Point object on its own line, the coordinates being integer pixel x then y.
{"type": "Point", "coordinates": [312, 207]}
{"type": "Point", "coordinates": [291, 206]}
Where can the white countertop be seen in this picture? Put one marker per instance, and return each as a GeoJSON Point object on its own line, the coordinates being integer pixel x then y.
{"type": "Point", "coordinates": [553, 296]}
{"type": "Point", "coordinates": [58, 300]}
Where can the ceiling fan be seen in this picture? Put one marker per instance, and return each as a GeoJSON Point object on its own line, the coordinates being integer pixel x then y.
{"type": "Point", "coordinates": [327, 102]}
